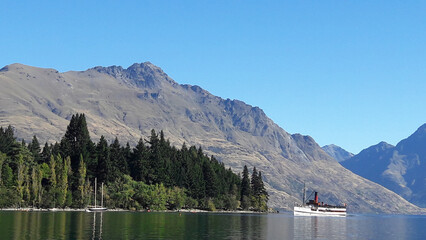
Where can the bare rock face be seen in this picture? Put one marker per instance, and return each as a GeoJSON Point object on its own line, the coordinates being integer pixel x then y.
{"type": "Point", "coordinates": [337, 152]}
{"type": "Point", "coordinates": [128, 103]}
{"type": "Point", "coordinates": [400, 168]}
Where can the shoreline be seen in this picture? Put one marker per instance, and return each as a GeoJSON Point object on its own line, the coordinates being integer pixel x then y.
{"type": "Point", "coordinates": [126, 210]}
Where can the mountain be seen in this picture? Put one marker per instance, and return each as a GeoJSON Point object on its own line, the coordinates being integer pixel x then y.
{"type": "Point", "coordinates": [337, 152]}
{"type": "Point", "coordinates": [128, 103]}
{"type": "Point", "coordinates": [400, 168]}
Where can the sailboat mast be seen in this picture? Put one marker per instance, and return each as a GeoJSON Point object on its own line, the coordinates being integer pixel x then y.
{"type": "Point", "coordinates": [102, 192]}
{"type": "Point", "coordinates": [95, 191]}
{"type": "Point", "coordinates": [304, 192]}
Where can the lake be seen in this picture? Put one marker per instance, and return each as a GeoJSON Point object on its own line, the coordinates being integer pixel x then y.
{"type": "Point", "coordinates": [136, 225]}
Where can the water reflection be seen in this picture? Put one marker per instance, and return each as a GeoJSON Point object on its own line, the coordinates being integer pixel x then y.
{"type": "Point", "coordinates": [319, 227]}
{"type": "Point", "coordinates": [97, 231]}
{"type": "Point", "coordinates": [136, 225]}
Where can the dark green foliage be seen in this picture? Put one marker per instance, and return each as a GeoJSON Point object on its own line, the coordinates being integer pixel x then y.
{"type": "Point", "coordinates": [259, 196]}
{"type": "Point", "coordinates": [45, 154]}
{"type": "Point", "coordinates": [138, 163]}
{"type": "Point", "coordinates": [210, 180]}
{"type": "Point", "coordinates": [103, 167]}
{"type": "Point", "coordinates": [7, 176]}
{"type": "Point", "coordinates": [7, 140]}
{"type": "Point", "coordinates": [8, 197]}
{"type": "Point", "coordinates": [76, 140]}
{"type": "Point", "coordinates": [118, 162]}
{"type": "Point", "coordinates": [152, 175]}
{"type": "Point", "coordinates": [35, 149]}
{"type": "Point", "coordinates": [75, 143]}
{"type": "Point", "coordinates": [245, 189]}
{"type": "Point", "coordinates": [255, 183]}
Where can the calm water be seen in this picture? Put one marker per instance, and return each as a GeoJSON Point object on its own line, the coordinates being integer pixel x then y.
{"type": "Point", "coordinates": [128, 225]}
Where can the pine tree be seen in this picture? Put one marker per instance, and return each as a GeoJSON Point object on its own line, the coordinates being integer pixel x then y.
{"type": "Point", "coordinates": [55, 149]}
{"type": "Point", "coordinates": [127, 154]}
{"type": "Point", "coordinates": [75, 143]}
{"type": "Point", "coordinates": [255, 189]}
{"type": "Point", "coordinates": [255, 184]}
{"type": "Point", "coordinates": [45, 154]}
{"type": "Point", "coordinates": [245, 189]}
{"type": "Point", "coordinates": [264, 196]}
{"type": "Point", "coordinates": [259, 195]}
{"type": "Point", "coordinates": [103, 159]}
{"type": "Point", "coordinates": [138, 164]}
{"type": "Point", "coordinates": [210, 180]}
{"type": "Point", "coordinates": [7, 140]}
{"type": "Point", "coordinates": [164, 161]}
{"type": "Point", "coordinates": [118, 162]}
{"type": "Point", "coordinates": [154, 164]}
{"type": "Point", "coordinates": [197, 184]}
{"type": "Point", "coordinates": [34, 148]}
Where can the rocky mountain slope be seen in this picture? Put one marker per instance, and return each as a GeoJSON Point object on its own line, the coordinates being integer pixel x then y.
{"type": "Point", "coordinates": [128, 103]}
{"type": "Point", "coordinates": [337, 152]}
{"type": "Point", "coordinates": [400, 168]}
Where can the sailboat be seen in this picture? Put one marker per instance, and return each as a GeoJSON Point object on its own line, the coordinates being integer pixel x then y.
{"type": "Point", "coordinates": [96, 208]}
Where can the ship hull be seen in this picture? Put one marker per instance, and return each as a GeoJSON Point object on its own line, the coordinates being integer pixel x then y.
{"type": "Point", "coordinates": [319, 211]}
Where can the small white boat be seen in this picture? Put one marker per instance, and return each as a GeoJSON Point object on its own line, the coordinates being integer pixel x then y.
{"type": "Point", "coordinates": [96, 208]}
{"type": "Point", "coordinates": [315, 208]}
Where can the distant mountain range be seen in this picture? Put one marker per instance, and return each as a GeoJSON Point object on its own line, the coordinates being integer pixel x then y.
{"type": "Point", "coordinates": [337, 152]}
{"type": "Point", "coordinates": [400, 168]}
{"type": "Point", "coordinates": [128, 103]}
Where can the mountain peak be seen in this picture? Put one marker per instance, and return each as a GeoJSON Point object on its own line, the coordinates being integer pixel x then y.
{"type": "Point", "coordinates": [14, 66]}
{"type": "Point", "coordinates": [148, 75]}
{"type": "Point", "coordinates": [337, 152]}
{"type": "Point", "coordinates": [421, 131]}
{"type": "Point", "coordinates": [381, 146]}
{"type": "Point", "coordinates": [143, 74]}
{"type": "Point", "coordinates": [415, 142]}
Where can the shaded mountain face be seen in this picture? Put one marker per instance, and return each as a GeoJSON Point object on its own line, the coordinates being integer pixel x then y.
{"type": "Point", "coordinates": [400, 168]}
{"type": "Point", "coordinates": [337, 152]}
{"type": "Point", "coordinates": [128, 103]}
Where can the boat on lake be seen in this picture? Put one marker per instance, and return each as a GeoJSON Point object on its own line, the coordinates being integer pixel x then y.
{"type": "Point", "coordinates": [315, 208]}
{"type": "Point", "coordinates": [96, 208]}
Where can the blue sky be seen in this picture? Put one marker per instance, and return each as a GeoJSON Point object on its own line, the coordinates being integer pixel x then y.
{"type": "Point", "coordinates": [352, 73]}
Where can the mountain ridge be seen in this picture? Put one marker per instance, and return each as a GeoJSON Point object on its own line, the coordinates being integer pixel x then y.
{"type": "Point", "coordinates": [399, 168]}
{"type": "Point", "coordinates": [129, 104]}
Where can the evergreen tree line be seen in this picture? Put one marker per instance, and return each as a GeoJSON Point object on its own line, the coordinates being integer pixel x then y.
{"type": "Point", "coordinates": [151, 175]}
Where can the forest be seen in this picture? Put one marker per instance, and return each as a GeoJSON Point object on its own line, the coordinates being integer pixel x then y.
{"type": "Point", "coordinates": [151, 175]}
